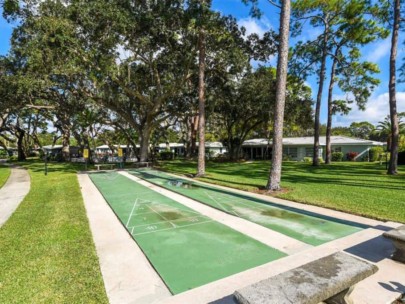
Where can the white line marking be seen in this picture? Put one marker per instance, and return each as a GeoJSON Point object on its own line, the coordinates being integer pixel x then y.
{"type": "Point", "coordinates": [223, 208]}
{"type": "Point", "coordinates": [165, 221]}
{"type": "Point", "coordinates": [209, 221]}
{"type": "Point", "coordinates": [132, 211]}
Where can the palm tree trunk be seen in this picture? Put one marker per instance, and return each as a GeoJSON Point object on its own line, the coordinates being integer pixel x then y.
{"type": "Point", "coordinates": [274, 180]}
{"type": "Point", "coordinates": [201, 97]}
{"type": "Point", "coordinates": [393, 165]}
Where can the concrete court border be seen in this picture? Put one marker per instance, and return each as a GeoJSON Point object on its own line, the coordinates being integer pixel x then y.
{"type": "Point", "coordinates": [368, 244]}
{"type": "Point", "coordinates": [128, 276]}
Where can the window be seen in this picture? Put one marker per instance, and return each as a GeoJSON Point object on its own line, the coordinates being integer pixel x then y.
{"type": "Point", "coordinates": [293, 152]}
{"type": "Point", "coordinates": [309, 152]}
{"type": "Point", "coordinates": [337, 149]}
{"type": "Point", "coordinates": [290, 152]}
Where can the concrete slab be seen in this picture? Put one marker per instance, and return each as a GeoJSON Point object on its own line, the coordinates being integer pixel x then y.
{"type": "Point", "coordinates": [330, 277]}
{"type": "Point", "coordinates": [128, 275]}
{"type": "Point", "coordinates": [266, 236]}
{"type": "Point", "coordinates": [13, 192]}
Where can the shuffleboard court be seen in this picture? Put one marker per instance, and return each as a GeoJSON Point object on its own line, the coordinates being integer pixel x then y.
{"type": "Point", "coordinates": [310, 228]}
{"type": "Point", "coordinates": [186, 248]}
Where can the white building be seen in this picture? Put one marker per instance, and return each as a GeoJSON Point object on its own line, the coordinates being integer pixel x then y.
{"type": "Point", "coordinates": [215, 148]}
{"type": "Point", "coordinates": [296, 148]}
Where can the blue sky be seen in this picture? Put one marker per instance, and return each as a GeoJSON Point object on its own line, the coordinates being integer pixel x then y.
{"type": "Point", "coordinates": [377, 52]}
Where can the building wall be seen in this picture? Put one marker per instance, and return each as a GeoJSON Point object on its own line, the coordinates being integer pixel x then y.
{"type": "Point", "coordinates": [299, 152]}
{"type": "Point", "coordinates": [361, 149]}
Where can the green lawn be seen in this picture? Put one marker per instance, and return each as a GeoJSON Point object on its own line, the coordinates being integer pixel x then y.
{"type": "Point", "coordinates": [358, 188]}
{"type": "Point", "coordinates": [4, 174]}
{"type": "Point", "coordinates": [46, 250]}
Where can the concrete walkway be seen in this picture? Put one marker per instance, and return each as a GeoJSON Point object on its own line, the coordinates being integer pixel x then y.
{"type": "Point", "coordinates": [13, 192]}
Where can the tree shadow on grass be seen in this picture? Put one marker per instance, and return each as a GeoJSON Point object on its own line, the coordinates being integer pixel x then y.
{"type": "Point", "coordinates": [38, 166]}
{"type": "Point", "coordinates": [343, 182]}
{"type": "Point", "coordinates": [298, 179]}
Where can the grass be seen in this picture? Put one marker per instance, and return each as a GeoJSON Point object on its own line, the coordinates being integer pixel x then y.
{"type": "Point", "coordinates": [357, 188]}
{"type": "Point", "coordinates": [4, 174]}
{"type": "Point", "coordinates": [47, 253]}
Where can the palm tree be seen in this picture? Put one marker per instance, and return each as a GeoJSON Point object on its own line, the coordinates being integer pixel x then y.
{"type": "Point", "coordinates": [384, 129]}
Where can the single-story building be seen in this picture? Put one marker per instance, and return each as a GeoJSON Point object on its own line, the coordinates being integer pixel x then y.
{"type": "Point", "coordinates": [214, 148]}
{"type": "Point", "coordinates": [57, 150]}
{"type": "Point", "coordinates": [177, 148]}
{"type": "Point", "coordinates": [296, 148]}
{"type": "Point", "coordinates": [105, 149]}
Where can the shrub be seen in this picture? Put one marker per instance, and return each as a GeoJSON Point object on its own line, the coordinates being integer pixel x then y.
{"type": "Point", "coordinates": [308, 159]}
{"type": "Point", "coordinates": [3, 154]}
{"type": "Point", "coordinates": [337, 156]}
{"type": "Point", "coordinates": [375, 153]}
{"type": "Point", "coordinates": [401, 158]}
{"type": "Point", "coordinates": [351, 155]}
{"type": "Point", "coordinates": [286, 157]}
{"type": "Point", "coordinates": [166, 155]}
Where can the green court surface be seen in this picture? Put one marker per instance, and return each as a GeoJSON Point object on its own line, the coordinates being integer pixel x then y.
{"type": "Point", "coordinates": [307, 227]}
{"type": "Point", "coordinates": [186, 248]}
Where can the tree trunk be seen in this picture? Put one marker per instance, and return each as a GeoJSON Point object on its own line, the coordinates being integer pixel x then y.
{"type": "Point", "coordinates": [328, 159]}
{"type": "Point", "coordinates": [66, 142]}
{"type": "Point", "coordinates": [201, 97]}
{"type": "Point", "coordinates": [393, 165]}
{"type": "Point", "coordinates": [315, 160]}
{"type": "Point", "coordinates": [273, 183]}
{"type": "Point", "coordinates": [193, 135]}
{"type": "Point", "coordinates": [234, 150]}
{"type": "Point", "coordinates": [21, 156]}
{"type": "Point", "coordinates": [144, 138]}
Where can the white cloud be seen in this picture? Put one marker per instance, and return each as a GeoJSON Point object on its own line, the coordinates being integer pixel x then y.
{"type": "Point", "coordinates": [258, 26]}
{"type": "Point", "coordinates": [123, 53]}
{"type": "Point", "coordinates": [309, 34]}
{"type": "Point", "coordinates": [376, 110]}
{"type": "Point", "coordinates": [379, 50]}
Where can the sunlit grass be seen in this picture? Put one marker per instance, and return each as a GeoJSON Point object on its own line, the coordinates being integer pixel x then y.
{"type": "Point", "coordinates": [47, 253]}
{"type": "Point", "coordinates": [4, 174]}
